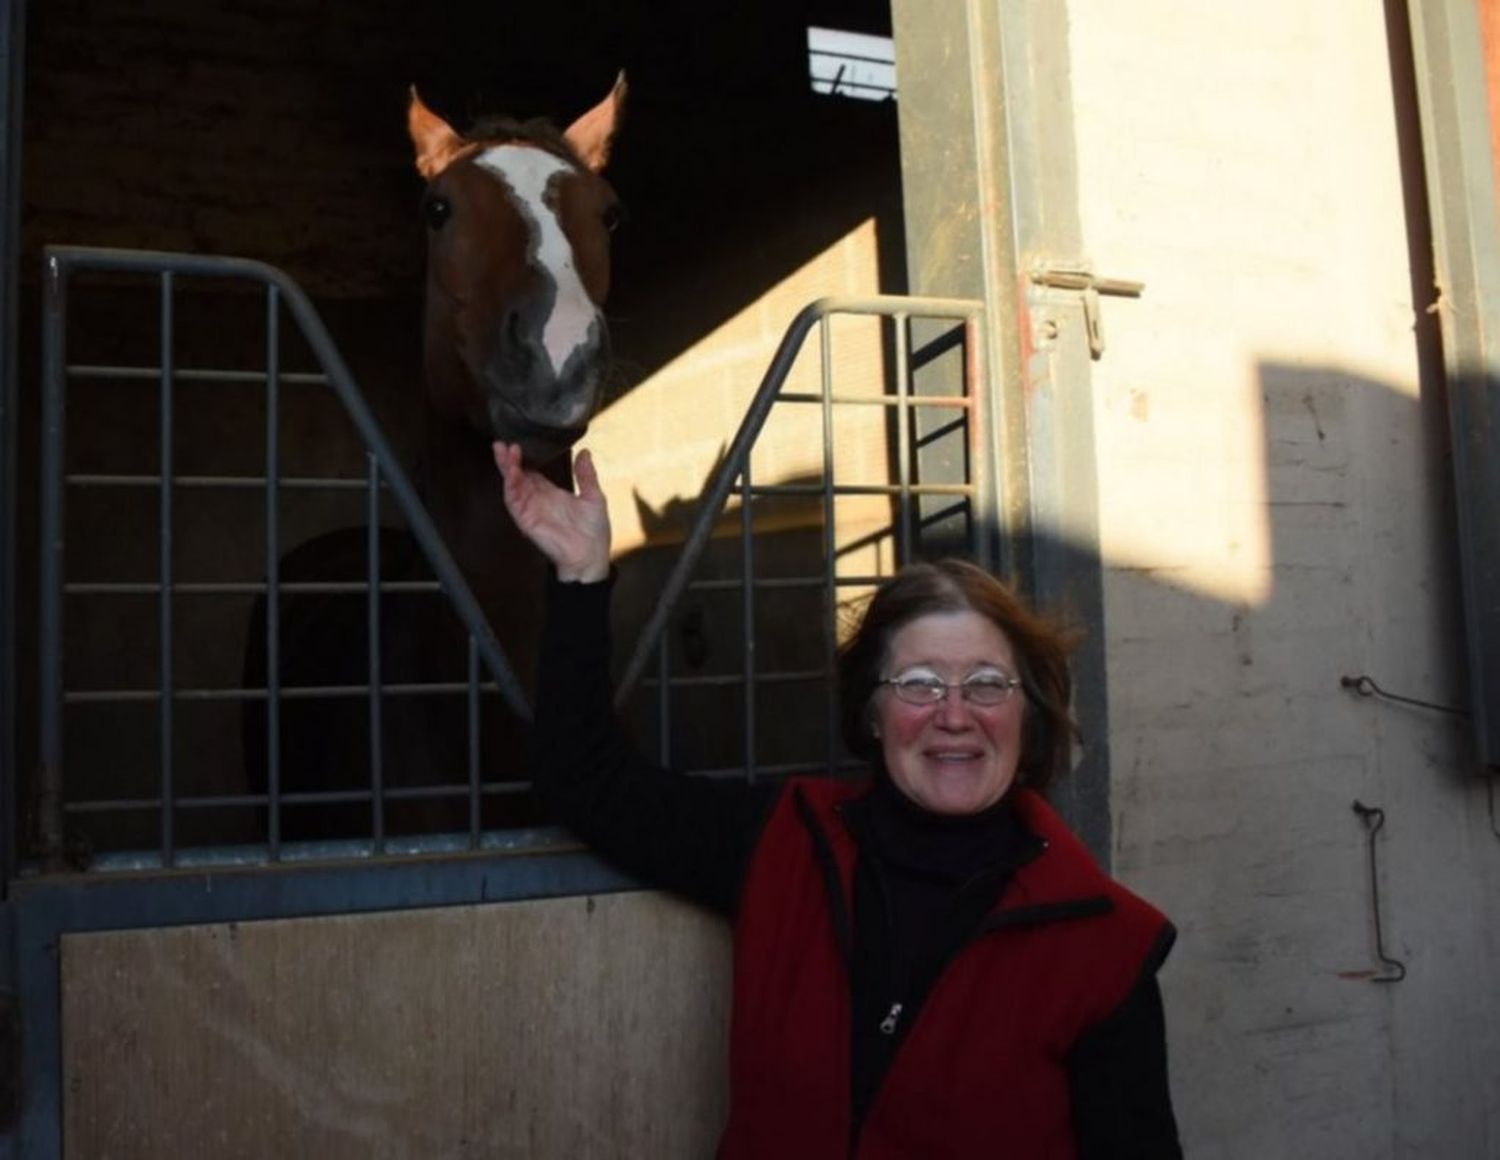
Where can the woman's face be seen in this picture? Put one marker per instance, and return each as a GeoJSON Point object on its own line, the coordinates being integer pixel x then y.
{"type": "Point", "coordinates": [952, 757]}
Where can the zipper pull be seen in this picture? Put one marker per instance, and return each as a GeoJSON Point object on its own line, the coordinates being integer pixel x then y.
{"type": "Point", "coordinates": [888, 1024]}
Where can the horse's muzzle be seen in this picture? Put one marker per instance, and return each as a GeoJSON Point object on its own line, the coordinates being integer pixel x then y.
{"type": "Point", "coordinates": [539, 441]}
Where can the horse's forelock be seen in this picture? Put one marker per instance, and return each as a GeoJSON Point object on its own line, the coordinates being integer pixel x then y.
{"type": "Point", "coordinates": [494, 130]}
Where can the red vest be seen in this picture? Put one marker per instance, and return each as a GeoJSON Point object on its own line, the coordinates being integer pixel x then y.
{"type": "Point", "coordinates": [984, 1068]}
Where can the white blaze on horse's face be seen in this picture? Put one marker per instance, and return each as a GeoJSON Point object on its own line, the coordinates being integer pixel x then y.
{"type": "Point", "coordinates": [573, 322]}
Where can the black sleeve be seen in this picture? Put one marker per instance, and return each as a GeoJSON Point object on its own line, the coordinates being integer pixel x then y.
{"type": "Point", "coordinates": [688, 835]}
{"type": "Point", "coordinates": [1122, 1106]}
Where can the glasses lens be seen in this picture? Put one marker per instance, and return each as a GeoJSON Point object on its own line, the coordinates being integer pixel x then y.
{"type": "Point", "coordinates": [987, 690]}
{"type": "Point", "coordinates": [919, 690]}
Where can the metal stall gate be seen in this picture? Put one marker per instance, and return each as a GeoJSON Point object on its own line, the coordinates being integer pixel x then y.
{"type": "Point", "coordinates": [156, 1019]}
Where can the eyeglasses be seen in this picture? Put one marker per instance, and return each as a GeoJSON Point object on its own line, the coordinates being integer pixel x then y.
{"type": "Point", "coordinates": [987, 689]}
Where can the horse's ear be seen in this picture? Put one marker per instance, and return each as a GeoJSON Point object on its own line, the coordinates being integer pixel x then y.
{"type": "Point", "coordinates": [433, 138]}
{"type": "Point", "coordinates": [593, 134]}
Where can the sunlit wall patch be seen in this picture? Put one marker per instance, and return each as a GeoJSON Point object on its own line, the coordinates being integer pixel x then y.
{"type": "Point", "coordinates": [851, 64]}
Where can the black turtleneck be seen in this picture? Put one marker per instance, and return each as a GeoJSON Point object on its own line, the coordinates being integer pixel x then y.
{"type": "Point", "coordinates": [922, 885]}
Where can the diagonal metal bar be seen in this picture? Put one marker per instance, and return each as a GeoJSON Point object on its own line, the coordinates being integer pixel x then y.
{"type": "Point", "coordinates": [969, 311]}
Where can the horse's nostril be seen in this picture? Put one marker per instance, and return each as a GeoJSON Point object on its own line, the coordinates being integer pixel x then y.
{"type": "Point", "coordinates": [513, 335]}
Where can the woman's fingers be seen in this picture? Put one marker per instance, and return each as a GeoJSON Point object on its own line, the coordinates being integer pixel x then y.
{"type": "Point", "coordinates": [571, 530]}
{"type": "Point", "coordinates": [586, 475]}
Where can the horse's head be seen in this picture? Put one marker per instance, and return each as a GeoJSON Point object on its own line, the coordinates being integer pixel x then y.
{"type": "Point", "coordinates": [518, 220]}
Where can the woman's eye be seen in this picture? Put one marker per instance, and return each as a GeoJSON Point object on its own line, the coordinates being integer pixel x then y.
{"type": "Point", "coordinates": [436, 211]}
{"type": "Point", "coordinates": [919, 688]}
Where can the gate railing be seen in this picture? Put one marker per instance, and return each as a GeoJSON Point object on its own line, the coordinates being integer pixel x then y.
{"type": "Point", "coordinates": [384, 473]}
{"type": "Point", "coordinates": [956, 324]}
{"type": "Point", "coordinates": [977, 489]}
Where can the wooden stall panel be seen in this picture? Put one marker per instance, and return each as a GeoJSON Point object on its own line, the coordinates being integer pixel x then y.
{"type": "Point", "coordinates": [580, 1027]}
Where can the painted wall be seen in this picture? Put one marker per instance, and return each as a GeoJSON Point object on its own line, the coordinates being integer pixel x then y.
{"type": "Point", "coordinates": [1275, 514]}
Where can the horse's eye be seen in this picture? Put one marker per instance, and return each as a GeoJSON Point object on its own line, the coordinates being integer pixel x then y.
{"type": "Point", "coordinates": [613, 216]}
{"type": "Point", "coordinates": [436, 211]}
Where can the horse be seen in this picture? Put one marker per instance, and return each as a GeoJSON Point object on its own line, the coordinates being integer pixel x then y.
{"type": "Point", "coordinates": [518, 218]}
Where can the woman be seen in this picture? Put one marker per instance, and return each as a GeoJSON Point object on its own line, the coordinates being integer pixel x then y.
{"type": "Point", "coordinates": [927, 963]}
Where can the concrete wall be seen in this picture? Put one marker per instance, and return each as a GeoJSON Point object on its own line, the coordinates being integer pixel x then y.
{"type": "Point", "coordinates": [1275, 514]}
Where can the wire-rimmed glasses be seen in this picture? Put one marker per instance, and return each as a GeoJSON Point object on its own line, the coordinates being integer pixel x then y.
{"type": "Point", "coordinates": [988, 688]}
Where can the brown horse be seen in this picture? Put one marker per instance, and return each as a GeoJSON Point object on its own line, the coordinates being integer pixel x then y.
{"type": "Point", "coordinates": [518, 219]}
{"type": "Point", "coordinates": [515, 344]}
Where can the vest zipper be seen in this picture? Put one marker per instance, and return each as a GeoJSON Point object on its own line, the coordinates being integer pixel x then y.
{"type": "Point", "coordinates": [888, 1024]}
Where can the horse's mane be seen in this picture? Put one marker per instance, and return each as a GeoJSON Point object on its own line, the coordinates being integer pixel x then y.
{"type": "Point", "coordinates": [537, 131]}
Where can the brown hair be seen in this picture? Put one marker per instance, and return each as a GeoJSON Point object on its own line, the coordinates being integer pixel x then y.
{"type": "Point", "coordinates": [1041, 648]}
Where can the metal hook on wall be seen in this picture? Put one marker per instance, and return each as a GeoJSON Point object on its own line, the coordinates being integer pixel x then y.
{"type": "Point", "coordinates": [1374, 818]}
{"type": "Point", "coordinates": [1365, 686]}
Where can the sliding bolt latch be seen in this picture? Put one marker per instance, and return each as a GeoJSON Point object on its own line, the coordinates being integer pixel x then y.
{"type": "Point", "coordinates": [1081, 279]}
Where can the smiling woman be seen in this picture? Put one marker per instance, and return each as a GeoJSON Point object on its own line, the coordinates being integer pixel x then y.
{"type": "Point", "coordinates": [927, 963]}
{"type": "Point", "coordinates": [944, 749]}
{"type": "Point", "coordinates": [953, 621]}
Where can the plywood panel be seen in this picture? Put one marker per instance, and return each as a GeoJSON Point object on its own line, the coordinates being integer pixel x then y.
{"type": "Point", "coordinates": [580, 1027]}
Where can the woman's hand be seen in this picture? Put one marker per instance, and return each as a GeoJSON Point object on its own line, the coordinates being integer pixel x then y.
{"type": "Point", "coordinates": [571, 530]}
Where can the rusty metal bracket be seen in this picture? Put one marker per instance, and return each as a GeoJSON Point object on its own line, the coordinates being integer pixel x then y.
{"type": "Point", "coordinates": [1374, 818]}
{"type": "Point", "coordinates": [1081, 279]}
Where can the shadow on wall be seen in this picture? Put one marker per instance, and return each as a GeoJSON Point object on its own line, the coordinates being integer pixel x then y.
{"type": "Point", "coordinates": [1237, 755]}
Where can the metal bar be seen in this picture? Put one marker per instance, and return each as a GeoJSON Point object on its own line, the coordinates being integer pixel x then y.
{"type": "Point", "coordinates": [165, 603]}
{"type": "Point", "coordinates": [747, 617]}
{"type": "Point", "coordinates": [905, 547]}
{"type": "Point", "coordinates": [865, 488]}
{"type": "Point", "coordinates": [733, 583]}
{"type": "Point", "coordinates": [12, 87]}
{"type": "Point", "coordinates": [536, 840]}
{"type": "Point", "coordinates": [373, 639]}
{"type": "Point", "coordinates": [782, 769]}
{"type": "Point", "coordinates": [273, 574]}
{"type": "Point", "coordinates": [830, 532]}
{"type": "Point", "coordinates": [196, 376]}
{"type": "Point", "coordinates": [760, 583]}
{"type": "Point", "coordinates": [255, 482]}
{"type": "Point", "coordinates": [287, 693]}
{"type": "Point", "coordinates": [765, 396]}
{"type": "Point", "coordinates": [304, 798]}
{"type": "Point", "coordinates": [985, 539]}
{"type": "Point", "coordinates": [246, 588]}
{"type": "Point", "coordinates": [475, 804]}
{"type": "Point", "coordinates": [49, 643]}
{"type": "Point", "coordinates": [664, 700]}
{"type": "Point", "coordinates": [950, 402]}
{"type": "Point", "coordinates": [721, 680]}
{"type": "Point", "coordinates": [1060, 279]}
{"type": "Point", "coordinates": [342, 383]}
